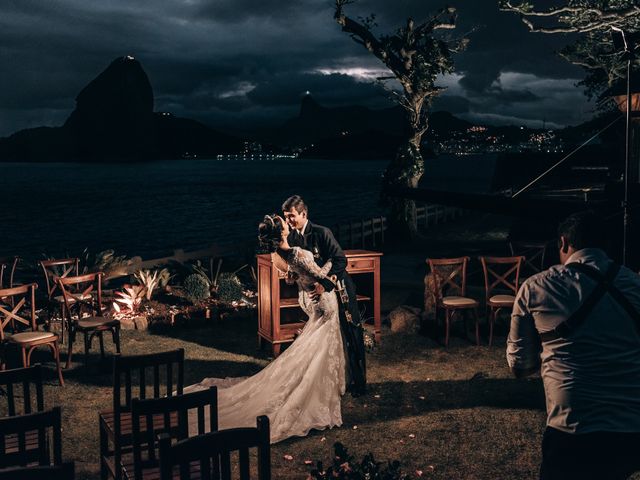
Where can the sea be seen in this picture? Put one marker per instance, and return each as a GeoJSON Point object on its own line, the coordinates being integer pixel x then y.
{"type": "Point", "coordinates": [150, 209]}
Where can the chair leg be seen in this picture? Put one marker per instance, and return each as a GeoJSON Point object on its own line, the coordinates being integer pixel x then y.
{"type": "Point", "coordinates": [492, 318]}
{"type": "Point", "coordinates": [25, 362]}
{"type": "Point", "coordinates": [56, 354]}
{"type": "Point", "coordinates": [101, 345]}
{"type": "Point", "coordinates": [477, 319]}
{"type": "Point", "coordinates": [116, 338]}
{"type": "Point", "coordinates": [447, 320]}
{"type": "Point", "coordinates": [87, 346]}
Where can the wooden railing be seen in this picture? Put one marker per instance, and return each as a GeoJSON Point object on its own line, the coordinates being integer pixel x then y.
{"type": "Point", "coordinates": [370, 232]}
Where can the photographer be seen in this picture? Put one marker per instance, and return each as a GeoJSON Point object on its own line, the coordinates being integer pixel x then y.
{"type": "Point", "coordinates": [579, 323]}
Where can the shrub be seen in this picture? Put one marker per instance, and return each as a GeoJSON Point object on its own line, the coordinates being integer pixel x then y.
{"type": "Point", "coordinates": [196, 288]}
{"type": "Point", "coordinates": [229, 287]}
{"type": "Point", "coordinates": [131, 299]}
{"type": "Point", "coordinates": [149, 280]}
{"type": "Point", "coordinates": [345, 468]}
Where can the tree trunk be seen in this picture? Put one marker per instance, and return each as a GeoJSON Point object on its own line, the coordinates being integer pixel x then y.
{"type": "Point", "coordinates": [404, 171]}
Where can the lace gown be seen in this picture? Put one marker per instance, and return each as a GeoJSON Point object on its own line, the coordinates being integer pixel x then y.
{"type": "Point", "coordinates": [301, 389]}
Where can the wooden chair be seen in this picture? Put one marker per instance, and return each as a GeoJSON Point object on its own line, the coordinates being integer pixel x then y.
{"type": "Point", "coordinates": [30, 396]}
{"type": "Point", "coordinates": [52, 269]}
{"type": "Point", "coordinates": [500, 273]}
{"type": "Point", "coordinates": [17, 443]}
{"type": "Point", "coordinates": [65, 471]}
{"type": "Point", "coordinates": [168, 415]}
{"type": "Point", "coordinates": [116, 425]}
{"type": "Point", "coordinates": [8, 267]}
{"type": "Point", "coordinates": [28, 378]}
{"type": "Point", "coordinates": [450, 276]}
{"type": "Point", "coordinates": [21, 298]}
{"type": "Point", "coordinates": [78, 295]}
{"type": "Point", "coordinates": [199, 457]}
{"type": "Point", "coordinates": [534, 254]}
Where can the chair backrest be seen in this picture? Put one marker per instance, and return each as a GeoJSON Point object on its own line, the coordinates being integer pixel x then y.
{"type": "Point", "coordinates": [28, 378]}
{"type": "Point", "coordinates": [169, 415]}
{"type": "Point", "coordinates": [20, 434]}
{"type": "Point", "coordinates": [211, 452]}
{"type": "Point", "coordinates": [501, 273]}
{"type": "Point", "coordinates": [130, 377]}
{"type": "Point", "coordinates": [19, 299]}
{"type": "Point", "coordinates": [78, 293]}
{"type": "Point", "coordinates": [8, 267]}
{"type": "Point", "coordinates": [450, 275]}
{"type": "Point", "coordinates": [534, 254]}
{"type": "Point", "coordinates": [60, 268]}
{"type": "Point", "coordinates": [66, 471]}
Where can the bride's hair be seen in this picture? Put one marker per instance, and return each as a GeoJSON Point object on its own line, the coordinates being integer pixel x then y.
{"type": "Point", "coordinates": [270, 232]}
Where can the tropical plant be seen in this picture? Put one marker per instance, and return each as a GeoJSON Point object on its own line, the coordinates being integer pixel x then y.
{"type": "Point", "coordinates": [229, 287]}
{"type": "Point", "coordinates": [344, 467]}
{"type": "Point", "coordinates": [111, 264]}
{"type": "Point", "coordinates": [131, 299]}
{"type": "Point", "coordinates": [196, 288]}
{"type": "Point", "coordinates": [150, 280]}
{"type": "Point", "coordinates": [164, 277]}
{"type": "Point", "coordinates": [414, 55]}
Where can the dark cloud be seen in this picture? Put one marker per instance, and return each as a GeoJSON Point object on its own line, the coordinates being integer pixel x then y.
{"type": "Point", "coordinates": [246, 62]}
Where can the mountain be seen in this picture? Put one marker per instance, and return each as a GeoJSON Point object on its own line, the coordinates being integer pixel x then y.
{"type": "Point", "coordinates": [114, 121]}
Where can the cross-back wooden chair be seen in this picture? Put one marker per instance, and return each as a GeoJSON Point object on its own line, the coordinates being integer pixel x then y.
{"type": "Point", "coordinates": [53, 269]}
{"type": "Point", "coordinates": [23, 298]}
{"type": "Point", "coordinates": [22, 388]}
{"type": "Point", "coordinates": [169, 415]}
{"type": "Point", "coordinates": [500, 274]}
{"type": "Point", "coordinates": [17, 442]}
{"type": "Point", "coordinates": [20, 383]}
{"type": "Point", "coordinates": [450, 275]}
{"type": "Point", "coordinates": [65, 471]}
{"type": "Point", "coordinates": [130, 378]}
{"type": "Point", "coordinates": [83, 312]}
{"type": "Point", "coordinates": [8, 266]}
{"type": "Point", "coordinates": [214, 449]}
{"type": "Point", "coordinates": [534, 254]}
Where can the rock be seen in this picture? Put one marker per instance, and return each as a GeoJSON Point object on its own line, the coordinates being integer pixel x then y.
{"type": "Point", "coordinates": [141, 323]}
{"type": "Point", "coordinates": [405, 319]}
{"type": "Point", "coordinates": [127, 324]}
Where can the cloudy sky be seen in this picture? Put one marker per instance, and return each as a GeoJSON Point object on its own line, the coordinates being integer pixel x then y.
{"type": "Point", "coordinates": [246, 63]}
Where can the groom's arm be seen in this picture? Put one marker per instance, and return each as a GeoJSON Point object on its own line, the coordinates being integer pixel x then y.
{"type": "Point", "coordinates": [332, 251]}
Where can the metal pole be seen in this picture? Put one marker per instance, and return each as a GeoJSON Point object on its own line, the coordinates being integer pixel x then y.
{"type": "Point", "coordinates": [627, 162]}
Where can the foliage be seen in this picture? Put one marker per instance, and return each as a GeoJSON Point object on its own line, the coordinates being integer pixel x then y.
{"type": "Point", "coordinates": [150, 280]}
{"type": "Point", "coordinates": [229, 287]}
{"type": "Point", "coordinates": [345, 468]}
{"type": "Point", "coordinates": [164, 277]}
{"type": "Point", "coordinates": [593, 20]}
{"type": "Point", "coordinates": [111, 264]}
{"type": "Point", "coordinates": [130, 298]}
{"type": "Point", "coordinates": [196, 288]}
{"type": "Point", "coordinates": [415, 55]}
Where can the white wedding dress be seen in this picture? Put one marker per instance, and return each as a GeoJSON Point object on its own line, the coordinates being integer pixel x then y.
{"type": "Point", "coordinates": [301, 389]}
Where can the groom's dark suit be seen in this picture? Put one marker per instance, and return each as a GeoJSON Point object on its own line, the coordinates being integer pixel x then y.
{"type": "Point", "coordinates": [320, 241]}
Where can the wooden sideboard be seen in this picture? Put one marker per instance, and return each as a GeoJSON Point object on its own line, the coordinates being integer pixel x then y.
{"type": "Point", "coordinates": [280, 316]}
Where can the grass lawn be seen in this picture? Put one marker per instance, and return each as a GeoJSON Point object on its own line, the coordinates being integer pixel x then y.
{"type": "Point", "coordinates": [454, 413]}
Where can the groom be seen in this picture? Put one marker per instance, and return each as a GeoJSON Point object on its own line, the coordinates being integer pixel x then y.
{"type": "Point", "coordinates": [320, 241]}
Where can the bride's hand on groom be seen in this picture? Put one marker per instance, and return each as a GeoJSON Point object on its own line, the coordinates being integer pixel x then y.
{"type": "Point", "coordinates": [318, 290]}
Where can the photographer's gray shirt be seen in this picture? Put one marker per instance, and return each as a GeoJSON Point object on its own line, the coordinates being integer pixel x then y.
{"type": "Point", "coordinates": [592, 378]}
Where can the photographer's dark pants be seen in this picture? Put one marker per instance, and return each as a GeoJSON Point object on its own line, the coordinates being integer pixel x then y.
{"type": "Point", "coordinates": [589, 456]}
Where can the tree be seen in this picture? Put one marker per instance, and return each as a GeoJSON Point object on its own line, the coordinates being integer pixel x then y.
{"type": "Point", "coordinates": [593, 19]}
{"type": "Point", "coordinates": [415, 55]}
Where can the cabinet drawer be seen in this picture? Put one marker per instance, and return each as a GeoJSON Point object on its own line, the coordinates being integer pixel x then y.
{"type": "Point", "coordinates": [358, 264]}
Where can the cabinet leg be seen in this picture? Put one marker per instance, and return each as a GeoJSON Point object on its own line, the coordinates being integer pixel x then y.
{"type": "Point", "coordinates": [260, 342]}
{"type": "Point", "coordinates": [276, 349]}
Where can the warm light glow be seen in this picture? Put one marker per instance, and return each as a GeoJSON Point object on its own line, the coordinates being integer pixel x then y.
{"type": "Point", "coordinates": [621, 101]}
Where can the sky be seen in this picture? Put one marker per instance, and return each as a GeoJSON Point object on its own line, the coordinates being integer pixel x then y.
{"type": "Point", "coordinates": [245, 64]}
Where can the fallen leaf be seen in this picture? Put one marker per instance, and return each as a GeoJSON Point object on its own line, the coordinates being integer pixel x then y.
{"type": "Point", "coordinates": [431, 468]}
{"type": "Point", "coordinates": [355, 427]}
{"type": "Point", "coordinates": [323, 439]}
{"type": "Point", "coordinates": [308, 462]}
{"type": "Point", "coordinates": [411, 435]}
{"type": "Point", "coordinates": [288, 457]}
{"type": "Point", "coordinates": [418, 473]}
{"type": "Point", "coordinates": [376, 396]}
{"type": "Point", "coordinates": [421, 397]}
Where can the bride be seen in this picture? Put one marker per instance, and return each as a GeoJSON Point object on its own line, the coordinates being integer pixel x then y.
{"type": "Point", "coordinates": [301, 389]}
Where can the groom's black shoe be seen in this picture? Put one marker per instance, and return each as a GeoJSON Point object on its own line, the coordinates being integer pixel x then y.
{"type": "Point", "coordinates": [357, 391]}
